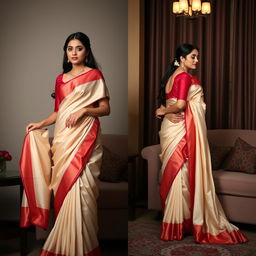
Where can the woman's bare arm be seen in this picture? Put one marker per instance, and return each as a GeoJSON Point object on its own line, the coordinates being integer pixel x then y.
{"type": "Point", "coordinates": [51, 119]}
{"type": "Point", "coordinates": [103, 109]}
{"type": "Point", "coordinates": [179, 106]}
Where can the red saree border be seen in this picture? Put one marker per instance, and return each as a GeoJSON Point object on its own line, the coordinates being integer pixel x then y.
{"type": "Point", "coordinates": [35, 215]}
{"type": "Point", "coordinates": [191, 146]}
{"type": "Point", "coordinates": [76, 166]}
{"type": "Point", "coordinates": [225, 237]}
{"type": "Point", "coordinates": [195, 81]}
{"type": "Point", "coordinates": [25, 217]}
{"type": "Point", "coordinates": [175, 231]}
{"type": "Point", "coordinates": [94, 252]}
{"type": "Point", "coordinates": [64, 89]}
{"type": "Point", "coordinates": [171, 170]}
{"type": "Point", "coordinates": [26, 172]}
{"type": "Point", "coordinates": [40, 220]}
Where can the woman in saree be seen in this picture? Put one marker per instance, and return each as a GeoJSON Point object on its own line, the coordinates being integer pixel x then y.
{"type": "Point", "coordinates": [188, 198]}
{"type": "Point", "coordinates": [70, 167]}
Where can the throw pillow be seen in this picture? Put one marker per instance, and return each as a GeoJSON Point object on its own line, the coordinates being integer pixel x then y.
{"type": "Point", "coordinates": [113, 167]}
{"type": "Point", "coordinates": [241, 158]}
{"type": "Point", "coordinates": [218, 155]}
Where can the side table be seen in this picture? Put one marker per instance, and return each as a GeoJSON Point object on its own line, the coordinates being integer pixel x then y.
{"type": "Point", "coordinates": [12, 178]}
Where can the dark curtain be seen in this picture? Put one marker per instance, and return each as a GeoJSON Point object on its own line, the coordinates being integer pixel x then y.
{"type": "Point", "coordinates": [242, 91]}
{"type": "Point", "coordinates": [226, 40]}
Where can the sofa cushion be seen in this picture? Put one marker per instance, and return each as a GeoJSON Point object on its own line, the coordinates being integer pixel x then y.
{"type": "Point", "coordinates": [235, 183]}
{"type": "Point", "coordinates": [114, 168]}
{"type": "Point", "coordinates": [113, 195]}
{"type": "Point", "coordinates": [218, 155]}
{"type": "Point", "coordinates": [241, 158]}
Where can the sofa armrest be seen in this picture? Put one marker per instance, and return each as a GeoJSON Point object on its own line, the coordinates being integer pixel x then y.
{"type": "Point", "coordinates": [151, 154]}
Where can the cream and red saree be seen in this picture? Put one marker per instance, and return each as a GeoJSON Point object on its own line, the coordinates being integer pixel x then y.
{"type": "Point", "coordinates": [69, 168]}
{"type": "Point", "coordinates": [187, 191]}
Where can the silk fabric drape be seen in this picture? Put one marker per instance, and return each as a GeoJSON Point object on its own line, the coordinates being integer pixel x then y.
{"type": "Point", "coordinates": [76, 158]}
{"type": "Point", "coordinates": [187, 189]}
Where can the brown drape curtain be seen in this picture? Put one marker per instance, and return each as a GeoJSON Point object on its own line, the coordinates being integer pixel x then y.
{"type": "Point", "coordinates": [226, 40]}
{"type": "Point", "coordinates": [242, 91]}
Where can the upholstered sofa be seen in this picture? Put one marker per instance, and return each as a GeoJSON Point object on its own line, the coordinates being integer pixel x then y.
{"type": "Point", "coordinates": [113, 199]}
{"type": "Point", "coordinates": [236, 190]}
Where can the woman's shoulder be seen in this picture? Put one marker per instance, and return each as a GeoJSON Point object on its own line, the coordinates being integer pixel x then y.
{"type": "Point", "coordinates": [188, 77]}
{"type": "Point", "coordinates": [195, 80]}
{"type": "Point", "coordinates": [183, 76]}
{"type": "Point", "coordinates": [96, 72]}
{"type": "Point", "coordinates": [93, 73]}
{"type": "Point", "coordinates": [59, 78]}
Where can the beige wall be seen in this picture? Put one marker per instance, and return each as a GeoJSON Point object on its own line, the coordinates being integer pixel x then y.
{"type": "Point", "coordinates": [32, 37]}
{"type": "Point", "coordinates": [32, 34]}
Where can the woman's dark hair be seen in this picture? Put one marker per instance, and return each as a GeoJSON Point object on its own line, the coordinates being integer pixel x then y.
{"type": "Point", "coordinates": [183, 50]}
{"type": "Point", "coordinates": [89, 60]}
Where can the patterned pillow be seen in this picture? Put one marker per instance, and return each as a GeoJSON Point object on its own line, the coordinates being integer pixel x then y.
{"type": "Point", "coordinates": [241, 158]}
{"type": "Point", "coordinates": [218, 155]}
{"type": "Point", "coordinates": [113, 167]}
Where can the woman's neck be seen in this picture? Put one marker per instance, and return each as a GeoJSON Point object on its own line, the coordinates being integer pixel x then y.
{"type": "Point", "coordinates": [77, 69]}
{"type": "Point", "coordinates": [184, 69]}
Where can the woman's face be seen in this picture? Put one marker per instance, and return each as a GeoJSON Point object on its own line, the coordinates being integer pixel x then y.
{"type": "Point", "coordinates": [191, 60]}
{"type": "Point", "coordinates": [76, 52]}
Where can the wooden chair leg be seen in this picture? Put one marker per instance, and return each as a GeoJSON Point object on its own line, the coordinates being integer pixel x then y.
{"type": "Point", "coordinates": [23, 241]}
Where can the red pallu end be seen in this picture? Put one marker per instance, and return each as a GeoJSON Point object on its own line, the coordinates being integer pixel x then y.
{"type": "Point", "coordinates": [31, 215]}
{"type": "Point", "coordinates": [94, 252]}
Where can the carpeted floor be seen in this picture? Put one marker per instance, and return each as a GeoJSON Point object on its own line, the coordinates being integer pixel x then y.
{"type": "Point", "coordinates": [144, 241]}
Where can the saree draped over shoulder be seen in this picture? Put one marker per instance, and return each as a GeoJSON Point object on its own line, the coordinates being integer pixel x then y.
{"type": "Point", "coordinates": [187, 191]}
{"type": "Point", "coordinates": [69, 168]}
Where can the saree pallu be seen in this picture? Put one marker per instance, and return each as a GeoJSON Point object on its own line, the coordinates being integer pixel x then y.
{"type": "Point", "coordinates": [187, 191]}
{"type": "Point", "coordinates": [70, 169]}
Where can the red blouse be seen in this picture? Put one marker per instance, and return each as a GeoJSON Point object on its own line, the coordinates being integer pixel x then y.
{"type": "Point", "coordinates": [92, 74]}
{"type": "Point", "coordinates": [57, 98]}
{"type": "Point", "coordinates": [180, 86]}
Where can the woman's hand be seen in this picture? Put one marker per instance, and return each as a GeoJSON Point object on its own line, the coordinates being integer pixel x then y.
{"type": "Point", "coordinates": [175, 118]}
{"type": "Point", "coordinates": [160, 112]}
{"type": "Point", "coordinates": [74, 118]}
{"type": "Point", "coordinates": [51, 119]}
{"type": "Point", "coordinates": [33, 126]}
